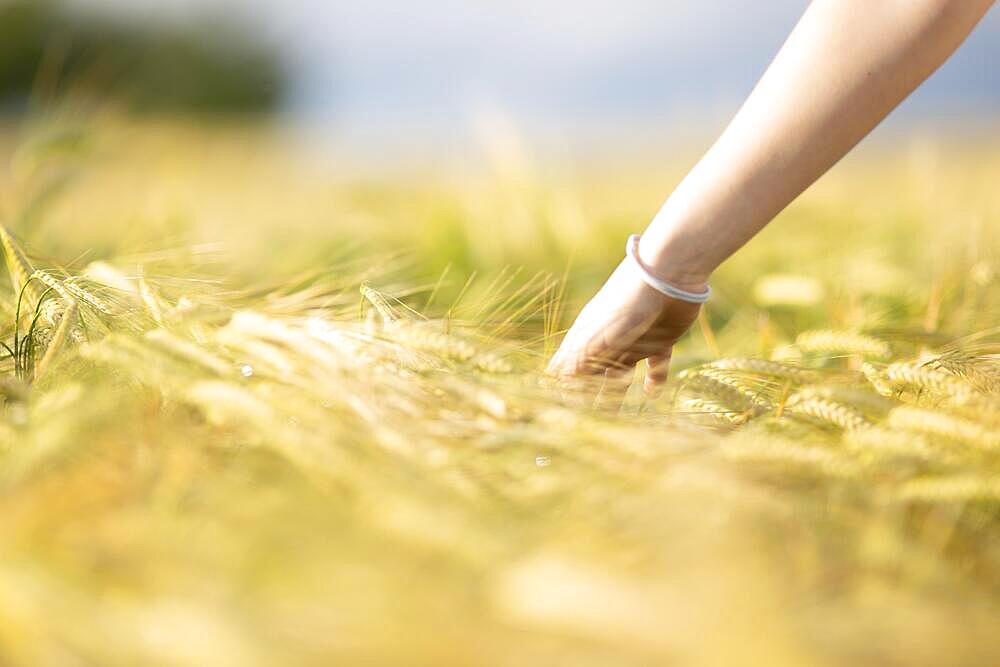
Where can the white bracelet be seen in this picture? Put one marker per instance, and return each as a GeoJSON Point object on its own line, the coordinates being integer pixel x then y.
{"type": "Point", "coordinates": [632, 251]}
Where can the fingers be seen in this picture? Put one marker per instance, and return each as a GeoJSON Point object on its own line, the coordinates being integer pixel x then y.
{"type": "Point", "coordinates": [657, 371]}
{"type": "Point", "coordinates": [590, 357]}
{"type": "Point", "coordinates": [579, 354]}
{"type": "Point", "coordinates": [593, 373]}
{"type": "Point", "coordinates": [617, 380]}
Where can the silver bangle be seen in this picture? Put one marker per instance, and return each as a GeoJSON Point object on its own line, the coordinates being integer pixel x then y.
{"type": "Point", "coordinates": [632, 252]}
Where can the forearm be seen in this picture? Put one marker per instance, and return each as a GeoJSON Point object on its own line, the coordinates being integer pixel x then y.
{"type": "Point", "coordinates": [846, 65]}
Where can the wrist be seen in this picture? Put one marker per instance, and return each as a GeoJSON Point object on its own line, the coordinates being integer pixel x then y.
{"type": "Point", "coordinates": [667, 288]}
{"type": "Point", "coordinates": [675, 260]}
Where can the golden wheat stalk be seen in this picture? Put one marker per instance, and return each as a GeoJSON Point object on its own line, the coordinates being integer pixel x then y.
{"type": "Point", "coordinates": [859, 398]}
{"type": "Point", "coordinates": [724, 387]}
{"type": "Point", "coordinates": [339, 350]}
{"type": "Point", "coordinates": [18, 267]}
{"type": "Point", "coordinates": [379, 302]}
{"type": "Point", "coordinates": [716, 411]}
{"type": "Point", "coordinates": [489, 362]}
{"type": "Point", "coordinates": [826, 410]}
{"type": "Point", "coordinates": [876, 378]}
{"type": "Point", "coordinates": [919, 378]}
{"type": "Point", "coordinates": [490, 402]}
{"type": "Point", "coordinates": [81, 293]}
{"type": "Point", "coordinates": [54, 284]}
{"type": "Point", "coordinates": [982, 371]}
{"type": "Point", "coordinates": [765, 367]}
{"type": "Point", "coordinates": [832, 342]}
{"type": "Point", "coordinates": [58, 341]}
{"type": "Point", "coordinates": [150, 300]}
{"type": "Point", "coordinates": [934, 422]}
{"type": "Point", "coordinates": [423, 337]}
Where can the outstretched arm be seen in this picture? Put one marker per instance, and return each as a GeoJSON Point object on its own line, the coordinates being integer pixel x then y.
{"type": "Point", "coordinates": [847, 64]}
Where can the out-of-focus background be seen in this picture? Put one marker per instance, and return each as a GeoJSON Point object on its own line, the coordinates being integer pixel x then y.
{"type": "Point", "coordinates": [392, 78]}
{"type": "Point", "coordinates": [507, 133]}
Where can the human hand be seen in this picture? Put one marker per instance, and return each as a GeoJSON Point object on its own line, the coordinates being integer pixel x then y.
{"type": "Point", "coordinates": [626, 321]}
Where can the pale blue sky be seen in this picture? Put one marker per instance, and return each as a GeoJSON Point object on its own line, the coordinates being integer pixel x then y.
{"type": "Point", "coordinates": [369, 67]}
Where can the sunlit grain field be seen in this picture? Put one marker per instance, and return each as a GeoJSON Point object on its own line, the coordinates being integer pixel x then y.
{"type": "Point", "coordinates": [258, 412]}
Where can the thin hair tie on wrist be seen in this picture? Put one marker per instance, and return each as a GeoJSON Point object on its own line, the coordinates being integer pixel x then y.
{"type": "Point", "coordinates": [661, 286]}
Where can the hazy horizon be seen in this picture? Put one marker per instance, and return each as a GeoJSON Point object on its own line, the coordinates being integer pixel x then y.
{"type": "Point", "coordinates": [395, 74]}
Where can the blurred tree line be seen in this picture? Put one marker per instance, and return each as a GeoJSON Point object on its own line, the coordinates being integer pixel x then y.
{"type": "Point", "coordinates": [151, 67]}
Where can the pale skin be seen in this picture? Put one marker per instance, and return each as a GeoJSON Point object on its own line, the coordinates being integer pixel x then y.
{"type": "Point", "coordinates": [845, 66]}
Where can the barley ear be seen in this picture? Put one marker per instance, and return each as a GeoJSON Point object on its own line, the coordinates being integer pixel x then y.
{"type": "Point", "coordinates": [18, 266]}
{"type": "Point", "coordinates": [379, 303]}
{"type": "Point", "coordinates": [58, 341]}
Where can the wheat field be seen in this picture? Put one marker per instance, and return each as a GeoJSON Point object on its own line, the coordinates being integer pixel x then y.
{"type": "Point", "coordinates": [257, 411]}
